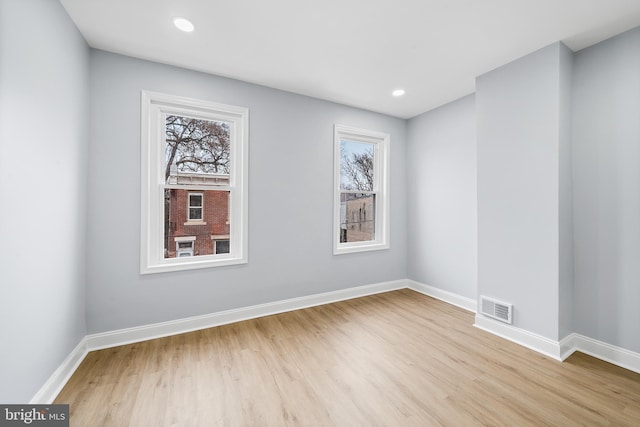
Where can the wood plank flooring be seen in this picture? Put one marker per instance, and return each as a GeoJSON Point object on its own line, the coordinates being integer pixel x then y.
{"type": "Point", "coordinates": [393, 359]}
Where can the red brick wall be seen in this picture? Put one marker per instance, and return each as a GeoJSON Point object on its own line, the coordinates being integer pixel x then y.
{"type": "Point", "coordinates": [215, 218]}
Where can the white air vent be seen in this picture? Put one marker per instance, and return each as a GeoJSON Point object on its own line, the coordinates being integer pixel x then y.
{"type": "Point", "coordinates": [496, 309]}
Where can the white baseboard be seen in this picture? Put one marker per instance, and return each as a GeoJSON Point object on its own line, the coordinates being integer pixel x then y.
{"type": "Point", "coordinates": [180, 326]}
{"type": "Point", "coordinates": [446, 296]}
{"type": "Point", "coordinates": [520, 336]}
{"type": "Point", "coordinates": [564, 348]}
{"type": "Point", "coordinates": [59, 378]}
{"type": "Point", "coordinates": [568, 345]}
{"type": "Point", "coordinates": [556, 350]}
{"type": "Point", "coordinates": [609, 353]}
{"type": "Point", "coordinates": [48, 392]}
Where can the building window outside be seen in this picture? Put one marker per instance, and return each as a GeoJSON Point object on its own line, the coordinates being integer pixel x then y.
{"type": "Point", "coordinates": [220, 243]}
{"type": "Point", "coordinates": [194, 183]}
{"type": "Point", "coordinates": [361, 208]}
{"type": "Point", "coordinates": [184, 246]}
{"type": "Point", "coordinates": [195, 207]}
{"type": "Point", "coordinates": [222, 246]}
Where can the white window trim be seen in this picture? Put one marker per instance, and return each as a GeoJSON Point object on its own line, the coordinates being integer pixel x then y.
{"type": "Point", "coordinates": [153, 106]}
{"type": "Point", "coordinates": [381, 189]}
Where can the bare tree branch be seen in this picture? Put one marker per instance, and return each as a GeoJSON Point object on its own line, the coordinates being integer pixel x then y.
{"type": "Point", "coordinates": [358, 169]}
{"type": "Point", "coordinates": [196, 145]}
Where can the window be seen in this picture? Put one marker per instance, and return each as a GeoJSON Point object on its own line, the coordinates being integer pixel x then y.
{"type": "Point", "coordinates": [361, 208]}
{"type": "Point", "coordinates": [194, 183]}
{"type": "Point", "coordinates": [195, 207]}
{"type": "Point", "coordinates": [222, 246]}
{"type": "Point", "coordinates": [184, 246]}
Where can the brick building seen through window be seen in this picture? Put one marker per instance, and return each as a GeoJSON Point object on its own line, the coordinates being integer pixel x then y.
{"type": "Point", "coordinates": [196, 221]}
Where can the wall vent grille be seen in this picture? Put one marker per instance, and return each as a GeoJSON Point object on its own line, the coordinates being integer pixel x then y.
{"type": "Point", "coordinates": [496, 309]}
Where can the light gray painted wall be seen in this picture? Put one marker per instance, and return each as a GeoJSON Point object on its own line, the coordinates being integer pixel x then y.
{"type": "Point", "coordinates": [606, 173]}
{"type": "Point", "coordinates": [441, 190]}
{"type": "Point", "coordinates": [290, 200]}
{"type": "Point", "coordinates": [44, 69]}
{"type": "Point", "coordinates": [565, 197]}
{"type": "Point", "coordinates": [518, 129]}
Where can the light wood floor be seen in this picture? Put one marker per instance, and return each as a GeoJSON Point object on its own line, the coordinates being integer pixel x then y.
{"type": "Point", "coordinates": [393, 359]}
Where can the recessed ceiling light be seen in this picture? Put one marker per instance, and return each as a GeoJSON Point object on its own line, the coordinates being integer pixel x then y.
{"type": "Point", "coordinates": [398, 92]}
{"type": "Point", "coordinates": [183, 24]}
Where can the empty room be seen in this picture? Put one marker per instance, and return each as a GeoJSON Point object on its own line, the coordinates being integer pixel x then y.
{"type": "Point", "coordinates": [336, 213]}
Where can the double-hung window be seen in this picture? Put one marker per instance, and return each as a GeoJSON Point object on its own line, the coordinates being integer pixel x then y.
{"type": "Point", "coordinates": [194, 183]}
{"type": "Point", "coordinates": [361, 199]}
{"type": "Point", "coordinates": [195, 207]}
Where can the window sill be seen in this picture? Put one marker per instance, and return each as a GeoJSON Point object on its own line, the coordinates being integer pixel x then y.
{"type": "Point", "coordinates": [195, 223]}
{"type": "Point", "coordinates": [350, 248]}
{"type": "Point", "coordinates": [196, 262]}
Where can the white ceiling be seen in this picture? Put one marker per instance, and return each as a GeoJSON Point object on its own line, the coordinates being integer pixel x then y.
{"type": "Point", "coordinates": [354, 52]}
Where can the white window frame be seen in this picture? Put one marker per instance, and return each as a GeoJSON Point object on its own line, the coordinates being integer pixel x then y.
{"type": "Point", "coordinates": [381, 142]}
{"type": "Point", "coordinates": [154, 107]}
{"type": "Point", "coordinates": [201, 207]}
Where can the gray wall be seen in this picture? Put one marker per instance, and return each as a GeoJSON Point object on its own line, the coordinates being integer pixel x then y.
{"type": "Point", "coordinates": [565, 196]}
{"type": "Point", "coordinates": [290, 200]}
{"type": "Point", "coordinates": [44, 66]}
{"type": "Point", "coordinates": [441, 204]}
{"type": "Point", "coordinates": [606, 173]}
{"type": "Point", "coordinates": [559, 191]}
{"type": "Point", "coordinates": [518, 119]}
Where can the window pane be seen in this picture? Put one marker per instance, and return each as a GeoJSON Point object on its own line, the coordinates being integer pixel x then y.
{"type": "Point", "coordinates": [196, 151]}
{"type": "Point", "coordinates": [356, 165]}
{"type": "Point", "coordinates": [357, 217]}
{"type": "Point", "coordinates": [213, 214]}
{"type": "Point", "coordinates": [195, 200]}
{"type": "Point", "coordinates": [195, 213]}
{"type": "Point", "coordinates": [222, 246]}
